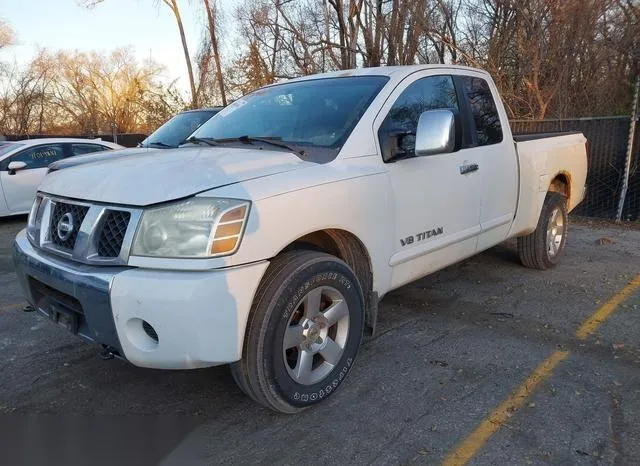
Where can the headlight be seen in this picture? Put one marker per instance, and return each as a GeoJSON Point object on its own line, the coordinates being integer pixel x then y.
{"type": "Point", "coordinates": [197, 227]}
{"type": "Point", "coordinates": [33, 221]}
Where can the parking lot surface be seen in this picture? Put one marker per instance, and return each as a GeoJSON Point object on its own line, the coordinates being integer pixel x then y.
{"type": "Point", "coordinates": [451, 349]}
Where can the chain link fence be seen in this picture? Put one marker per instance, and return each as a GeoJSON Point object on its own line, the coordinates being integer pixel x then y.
{"type": "Point", "coordinates": [631, 209]}
{"type": "Point", "coordinates": [608, 142]}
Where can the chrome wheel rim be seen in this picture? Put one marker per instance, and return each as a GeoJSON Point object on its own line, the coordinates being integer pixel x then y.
{"type": "Point", "coordinates": [316, 335]}
{"type": "Point", "coordinates": [555, 232]}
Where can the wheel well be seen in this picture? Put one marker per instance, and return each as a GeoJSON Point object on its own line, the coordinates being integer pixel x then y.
{"type": "Point", "coordinates": [347, 247]}
{"type": "Point", "coordinates": [561, 184]}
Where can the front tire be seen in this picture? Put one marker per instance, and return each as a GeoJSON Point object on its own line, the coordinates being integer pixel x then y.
{"type": "Point", "coordinates": [304, 331]}
{"type": "Point", "coordinates": [541, 249]}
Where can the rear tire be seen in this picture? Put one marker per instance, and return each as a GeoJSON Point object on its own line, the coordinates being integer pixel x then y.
{"type": "Point", "coordinates": [303, 333]}
{"type": "Point", "coordinates": [541, 249]}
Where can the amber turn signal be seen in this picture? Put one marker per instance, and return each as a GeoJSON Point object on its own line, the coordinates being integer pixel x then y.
{"type": "Point", "coordinates": [229, 230]}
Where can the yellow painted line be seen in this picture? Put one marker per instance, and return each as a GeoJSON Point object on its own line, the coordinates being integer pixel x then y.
{"type": "Point", "coordinates": [490, 425]}
{"type": "Point", "coordinates": [11, 307]}
{"type": "Point", "coordinates": [591, 325]}
{"type": "Point", "coordinates": [470, 446]}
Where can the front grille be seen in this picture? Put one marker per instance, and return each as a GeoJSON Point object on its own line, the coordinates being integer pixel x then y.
{"type": "Point", "coordinates": [105, 240]}
{"type": "Point", "coordinates": [112, 234]}
{"type": "Point", "coordinates": [60, 209]}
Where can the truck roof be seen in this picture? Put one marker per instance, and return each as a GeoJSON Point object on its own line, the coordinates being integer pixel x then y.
{"type": "Point", "coordinates": [400, 70]}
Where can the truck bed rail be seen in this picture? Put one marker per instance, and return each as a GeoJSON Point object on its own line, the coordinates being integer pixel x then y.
{"type": "Point", "coordinates": [522, 137]}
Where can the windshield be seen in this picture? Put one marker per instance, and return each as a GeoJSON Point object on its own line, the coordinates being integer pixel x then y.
{"type": "Point", "coordinates": [317, 113]}
{"type": "Point", "coordinates": [8, 147]}
{"type": "Point", "coordinates": [177, 129]}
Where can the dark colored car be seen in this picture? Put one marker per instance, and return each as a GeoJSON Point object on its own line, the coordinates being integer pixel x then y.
{"type": "Point", "coordinates": [170, 135]}
{"type": "Point", "coordinates": [175, 131]}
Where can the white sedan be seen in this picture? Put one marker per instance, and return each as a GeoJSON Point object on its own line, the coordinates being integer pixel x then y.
{"type": "Point", "coordinates": [23, 165]}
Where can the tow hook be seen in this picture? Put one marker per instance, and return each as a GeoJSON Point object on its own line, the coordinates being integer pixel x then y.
{"type": "Point", "coordinates": [107, 353]}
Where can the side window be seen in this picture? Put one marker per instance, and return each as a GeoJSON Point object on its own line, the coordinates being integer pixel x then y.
{"type": "Point", "coordinates": [397, 133]}
{"type": "Point", "coordinates": [79, 149]}
{"type": "Point", "coordinates": [36, 157]}
{"type": "Point", "coordinates": [484, 111]}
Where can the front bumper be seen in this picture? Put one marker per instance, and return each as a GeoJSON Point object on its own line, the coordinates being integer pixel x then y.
{"type": "Point", "coordinates": [199, 317]}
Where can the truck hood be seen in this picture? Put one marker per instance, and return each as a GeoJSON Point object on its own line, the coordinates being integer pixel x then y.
{"type": "Point", "coordinates": [96, 157]}
{"type": "Point", "coordinates": [146, 178]}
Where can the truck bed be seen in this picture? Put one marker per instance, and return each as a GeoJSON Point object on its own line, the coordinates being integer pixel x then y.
{"type": "Point", "coordinates": [541, 158]}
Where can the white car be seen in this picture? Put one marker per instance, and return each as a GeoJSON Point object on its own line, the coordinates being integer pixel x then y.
{"type": "Point", "coordinates": [268, 241]}
{"type": "Point", "coordinates": [23, 165]}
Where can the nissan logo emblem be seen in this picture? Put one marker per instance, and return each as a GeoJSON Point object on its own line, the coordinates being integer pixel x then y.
{"type": "Point", "coordinates": [65, 226]}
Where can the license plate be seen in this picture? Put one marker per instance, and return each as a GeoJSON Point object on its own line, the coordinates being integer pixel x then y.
{"type": "Point", "coordinates": [64, 318]}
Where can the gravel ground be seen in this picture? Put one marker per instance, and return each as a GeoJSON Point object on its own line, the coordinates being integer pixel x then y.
{"type": "Point", "coordinates": [449, 349]}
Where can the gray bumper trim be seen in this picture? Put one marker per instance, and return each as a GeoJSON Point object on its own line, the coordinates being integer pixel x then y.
{"type": "Point", "coordinates": [88, 284]}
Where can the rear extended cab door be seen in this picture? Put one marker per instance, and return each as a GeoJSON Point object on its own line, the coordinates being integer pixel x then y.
{"type": "Point", "coordinates": [490, 144]}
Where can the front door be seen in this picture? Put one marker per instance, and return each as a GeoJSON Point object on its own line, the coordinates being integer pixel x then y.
{"type": "Point", "coordinates": [437, 198]}
{"type": "Point", "coordinates": [20, 186]}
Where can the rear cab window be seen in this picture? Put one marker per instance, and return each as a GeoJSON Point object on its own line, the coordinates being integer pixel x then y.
{"type": "Point", "coordinates": [485, 120]}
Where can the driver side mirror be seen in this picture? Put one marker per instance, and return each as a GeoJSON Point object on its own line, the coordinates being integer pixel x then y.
{"type": "Point", "coordinates": [13, 167]}
{"type": "Point", "coordinates": [436, 133]}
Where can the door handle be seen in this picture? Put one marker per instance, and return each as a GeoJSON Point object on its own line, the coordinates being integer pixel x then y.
{"type": "Point", "coordinates": [468, 168]}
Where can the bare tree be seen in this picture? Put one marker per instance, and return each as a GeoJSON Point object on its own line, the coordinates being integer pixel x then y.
{"type": "Point", "coordinates": [7, 35]}
{"type": "Point", "coordinates": [549, 58]}
{"type": "Point", "coordinates": [211, 17]}
{"type": "Point", "coordinates": [173, 5]}
{"type": "Point", "coordinates": [175, 9]}
{"type": "Point", "coordinates": [84, 93]}
{"type": "Point", "coordinates": [371, 22]}
{"type": "Point", "coordinates": [346, 29]}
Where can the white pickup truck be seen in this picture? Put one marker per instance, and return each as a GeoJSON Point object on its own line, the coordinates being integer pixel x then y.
{"type": "Point", "coordinates": [267, 241]}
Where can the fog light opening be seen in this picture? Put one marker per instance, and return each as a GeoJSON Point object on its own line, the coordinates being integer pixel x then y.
{"type": "Point", "coordinates": [150, 331]}
{"type": "Point", "coordinates": [142, 335]}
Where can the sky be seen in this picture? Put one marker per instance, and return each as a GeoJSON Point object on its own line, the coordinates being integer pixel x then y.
{"type": "Point", "coordinates": [150, 30]}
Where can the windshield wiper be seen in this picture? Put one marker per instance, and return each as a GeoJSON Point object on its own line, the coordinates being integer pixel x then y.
{"type": "Point", "coordinates": [159, 144]}
{"type": "Point", "coordinates": [274, 141]}
{"type": "Point", "coordinates": [207, 141]}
